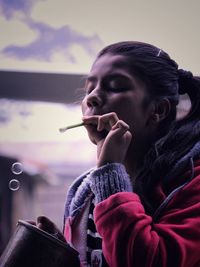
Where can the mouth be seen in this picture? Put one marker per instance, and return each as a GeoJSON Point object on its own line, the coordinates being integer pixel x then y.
{"type": "Point", "coordinates": [93, 114]}
{"type": "Point", "coordinates": [95, 111]}
{"type": "Point", "coordinates": [93, 127]}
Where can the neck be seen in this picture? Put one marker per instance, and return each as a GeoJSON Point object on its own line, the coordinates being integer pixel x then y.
{"type": "Point", "coordinates": [135, 158]}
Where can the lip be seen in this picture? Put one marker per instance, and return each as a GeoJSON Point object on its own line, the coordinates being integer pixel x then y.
{"type": "Point", "coordinates": [93, 114]}
{"type": "Point", "coordinates": [94, 110]}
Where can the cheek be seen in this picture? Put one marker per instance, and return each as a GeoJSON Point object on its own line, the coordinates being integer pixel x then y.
{"type": "Point", "coordinates": [124, 107]}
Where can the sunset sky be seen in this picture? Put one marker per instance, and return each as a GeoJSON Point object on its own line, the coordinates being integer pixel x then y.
{"type": "Point", "coordinates": [64, 36]}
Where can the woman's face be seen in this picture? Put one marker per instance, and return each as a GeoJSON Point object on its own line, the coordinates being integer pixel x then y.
{"type": "Point", "coordinates": [112, 87]}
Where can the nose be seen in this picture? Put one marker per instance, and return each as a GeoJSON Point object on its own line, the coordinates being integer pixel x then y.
{"type": "Point", "coordinates": [94, 99]}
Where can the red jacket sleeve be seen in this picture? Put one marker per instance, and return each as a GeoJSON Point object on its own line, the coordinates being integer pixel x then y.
{"type": "Point", "coordinates": [131, 238]}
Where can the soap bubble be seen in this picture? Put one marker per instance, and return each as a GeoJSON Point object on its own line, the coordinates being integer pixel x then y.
{"type": "Point", "coordinates": [14, 185]}
{"type": "Point", "coordinates": [17, 168]}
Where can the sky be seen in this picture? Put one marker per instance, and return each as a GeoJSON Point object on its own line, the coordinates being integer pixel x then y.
{"type": "Point", "coordinates": [64, 36]}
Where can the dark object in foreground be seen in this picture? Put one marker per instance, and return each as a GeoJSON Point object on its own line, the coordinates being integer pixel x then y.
{"type": "Point", "coordinates": [32, 247]}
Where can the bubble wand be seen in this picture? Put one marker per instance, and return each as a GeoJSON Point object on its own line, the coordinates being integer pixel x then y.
{"type": "Point", "coordinates": [62, 130]}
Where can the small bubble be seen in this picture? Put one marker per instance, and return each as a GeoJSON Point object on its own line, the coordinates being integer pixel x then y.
{"type": "Point", "coordinates": [14, 185]}
{"type": "Point", "coordinates": [17, 168]}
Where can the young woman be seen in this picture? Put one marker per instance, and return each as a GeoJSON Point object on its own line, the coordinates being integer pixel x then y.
{"type": "Point", "coordinates": [140, 206]}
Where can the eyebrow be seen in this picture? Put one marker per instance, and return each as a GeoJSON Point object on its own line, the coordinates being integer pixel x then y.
{"type": "Point", "coordinates": [91, 78]}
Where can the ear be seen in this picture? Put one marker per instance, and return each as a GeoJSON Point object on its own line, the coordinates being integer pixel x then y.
{"type": "Point", "coordinates": [161, 110]}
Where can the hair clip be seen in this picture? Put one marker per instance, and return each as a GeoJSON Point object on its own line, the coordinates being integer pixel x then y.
{"type": "Point", "coordinates": [159, 52]}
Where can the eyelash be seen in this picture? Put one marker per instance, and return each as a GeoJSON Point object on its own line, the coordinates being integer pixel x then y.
{"type": "Point", "coordinates": [118, 89]}
{"type": "Point", "coordinates": [107, 88]}
{"type": "Point", "coordinates": [87, 90]}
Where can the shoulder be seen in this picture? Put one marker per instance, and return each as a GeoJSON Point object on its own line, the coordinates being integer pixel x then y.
{"type": "Point", "coordinates": [192, 186]}
{"type": "Point", "coordinates": [190, 192]}
{"type": "Point", "coordinates": [185, 199]}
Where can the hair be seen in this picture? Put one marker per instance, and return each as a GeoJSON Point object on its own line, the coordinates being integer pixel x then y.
{"type": "Point", "coordinates": [178, 142]}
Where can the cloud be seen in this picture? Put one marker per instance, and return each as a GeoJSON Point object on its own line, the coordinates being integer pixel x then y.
{"type": "Point", "coordinates": [9, 8]}
{"type": "Point", "coordinates": [47, 42]}
{"type": "Point", "coordinates": [50, 40]}
{"type": "Point", "coordinates": [13, 108]}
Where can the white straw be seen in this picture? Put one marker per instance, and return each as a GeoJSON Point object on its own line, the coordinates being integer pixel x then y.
{"type": "Point", "coordinates": [62, 130]}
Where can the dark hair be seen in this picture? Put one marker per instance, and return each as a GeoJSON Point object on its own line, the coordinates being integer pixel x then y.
{"type": "Point", "coordinates": [179, 143]}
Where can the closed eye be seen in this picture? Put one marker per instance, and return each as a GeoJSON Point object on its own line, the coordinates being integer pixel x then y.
{"type": "Point", "coordinates": [89, 87]}
{"type": "Point", "coordinates": [118, 85]}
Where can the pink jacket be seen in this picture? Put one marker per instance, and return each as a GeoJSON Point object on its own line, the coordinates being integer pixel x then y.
{"type": "Point", "coordinates": [132, 238]}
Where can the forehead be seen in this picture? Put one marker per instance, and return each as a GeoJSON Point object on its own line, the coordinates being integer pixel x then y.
{"type": "Point", "coordinates": [109, 63]}
{"type": "Point", "coordinates": [111, 67]}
